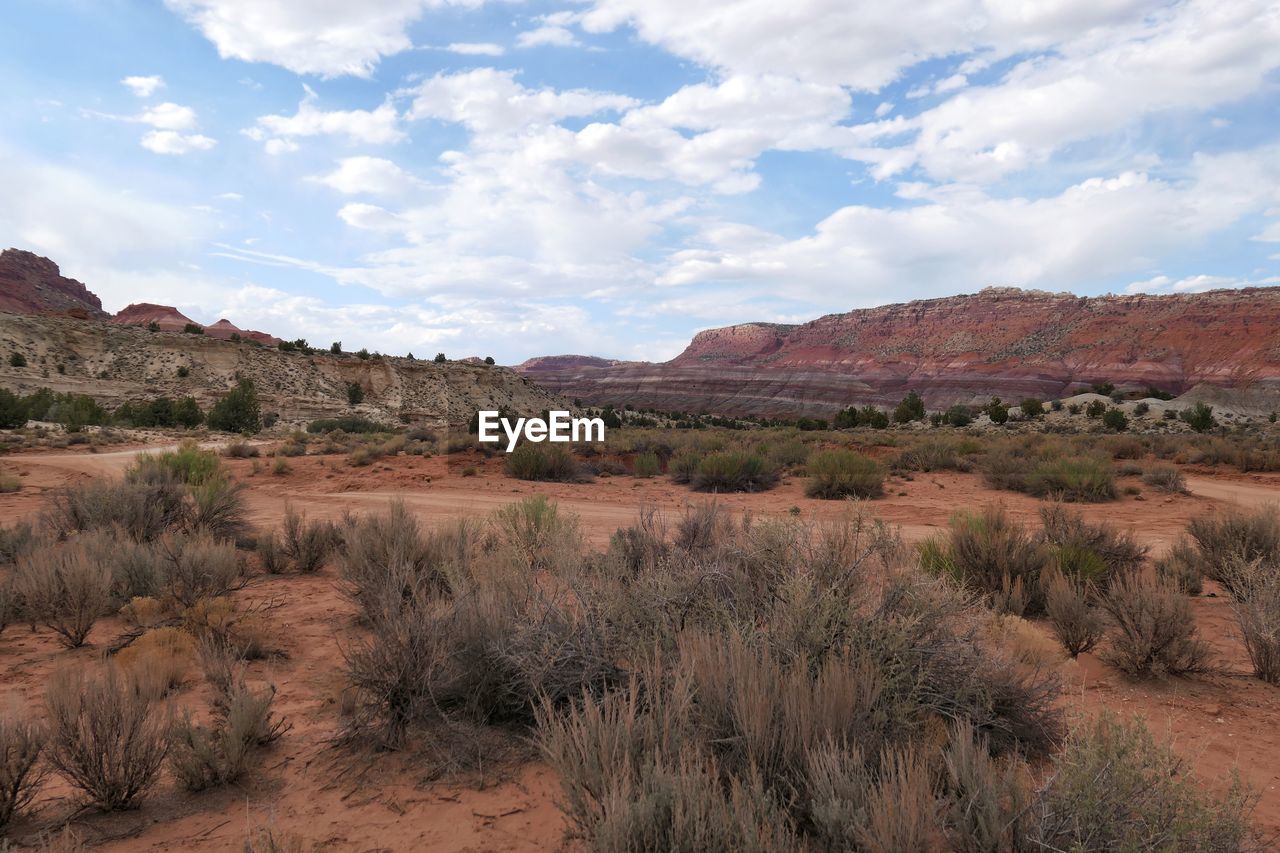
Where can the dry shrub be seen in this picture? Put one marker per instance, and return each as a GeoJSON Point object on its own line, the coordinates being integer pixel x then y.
{"type": "Point", "coordinates": [1116, 788]}
{"type": "Point", "coordinates": [1256, 601]}
{"type": "Point", "coordinates": [992, 554]}
{"type": "Point", "coordinates": [143, 612]}
{"type": "Point", "coordinates": [159, 660]}
{"type": "Point", "coordinates": [218, 621]}
{"type": "Point", "coordinates": [1181, 567]}
{"type": "Point", "coordinates": [1096, 553]}
{"type": "Point", "coordinates": [240, 450]}
{"type": "Point", "coordinates": [989, 798]}
{"type": "Point", "coordinates": [198, 566]}
{"type": "Point", "coordinates": [937, 454]}
{"type": "Point", "coordinates": [703, 527]}
{"type": "Point", "coordinates": [482, 655]}
{"type": "Point", "coordinates": [303, 546]}
{"type": "Point", "coordinates": [1224, 539]}
{"type": "Point", "coordinates": [217, 509]}
{"type": "Point", "coordinates": [107, 737]}
{"type": "Point", "coordinates": [137, 568]}
{"type": "Point", "coordinates": [537, 535]}
{"type": "Point", "coordinates": [1153, 628]}
{"type": "Point", "coordinates": [66, 588]}
{"type": "Point", "coordinates": [1076, 622]}
{"type": "Point", "coordinates": [203, 757]}
{"type": "Point", "coordinates": [21, 774]}
{"type": "Point", "coordinates": [1165, 478]}
{"type": "Point", "coordinates": [835, 474]}
{"type": "Point", "coordinates": [17, 541]}
{"type": "Point", "coordinates": [143, 509]}
{"type": "Point", "coordinates": [379, 549]}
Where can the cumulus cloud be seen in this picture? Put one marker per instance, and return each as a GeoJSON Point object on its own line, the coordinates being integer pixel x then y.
{"type": "Point", "coordinates": [172, 142]}
{"type": "Point", "coordinates": [143, 87]}
{"type": "Point", "coordinates": [330, 38]}
{"type": "Point", "coordinates": [960, 238]}
{"type": "Point", "coordinates": [367, 175]}
{"type": "Point", "coordinates": [489, 100]}
{"type": "Point", "coordinates": [379, 126]}
{"type": "Point", "coordinates": [169, 116]}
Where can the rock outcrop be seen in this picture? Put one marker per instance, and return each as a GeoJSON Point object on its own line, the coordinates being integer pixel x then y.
{"type": "Point", "coordinates": [1002, 341]}
{"type": "Point", "coordinates": [30, 284]}
{"type": "Point", "coordinates": [169, 319]}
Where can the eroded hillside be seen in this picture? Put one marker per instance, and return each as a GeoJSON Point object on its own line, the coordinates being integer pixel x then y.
{"type": "Point", "coordinates": [116, 363]}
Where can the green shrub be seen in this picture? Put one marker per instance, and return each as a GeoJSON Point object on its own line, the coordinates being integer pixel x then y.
{"type": "Point", "coordinates": [17, 359]}
{"type": "Point", "coordinates": [1031, 408]}
{"type": "Point", "coordinates": [1115, 420]}
{"type": "Point", "coordinates": [238, 410]}
{"type": "Point", "coordinates": [835, 474]}
{"type": "Point", "coordinates": [1082, 478]}
{"type": "Point", "coordinates": [992, 554]}
{"type": "Point", "coordinates": [684, 465]}
{"type": "Point", "coordinates": [348, 424]}
{"type": "Point", "coordinates": [355, 393]}
{"type": "Point", "coordinates": [647, 465]}
{"type": "Point", "coordinates": [1086, 552]}
{"type": "Point", "coordinates": [734, 471]}
{"type": "Point", "coordinates": [553, 462]}
{"type": "Point", "coordinates": [1199, 417]}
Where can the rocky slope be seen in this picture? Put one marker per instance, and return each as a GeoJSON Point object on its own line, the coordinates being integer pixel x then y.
{"type": "Point", "coordinates": [115, 363]}
{"type": "Point", "coordinates": [30, 284]}
{"type": "Point", "coordinates": [1002, 341]}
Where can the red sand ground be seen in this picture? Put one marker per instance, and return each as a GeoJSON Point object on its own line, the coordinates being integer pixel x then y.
{"type": "Point", "coordinates": [325, 798]}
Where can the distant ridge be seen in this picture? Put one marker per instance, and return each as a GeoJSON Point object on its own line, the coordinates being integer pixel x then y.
{"type": "Point", "coordinates": [1004, 342]}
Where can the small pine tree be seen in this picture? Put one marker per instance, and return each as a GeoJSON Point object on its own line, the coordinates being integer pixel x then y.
{"type": "Point", "coordinates": [363, 354]}
{"type": "Point", "coordinates": [488, 359]}
{"type": "Point", "coordinates": [1200, 417]}
{"type": "Point", "coordinates": [440, 358]}
{"type": "Point", "coordinates": [238, 411]}
{"type": "Point", "coordinates": [910, 409]}
{"type": "Point", "coordinates": [1032, 408]}
{"type": "Point", "coordinates": [355, 393]}
{"type": "Point", "coordinates": [17, 359]}
{"type": "Point", "coordinates": [336, 347]}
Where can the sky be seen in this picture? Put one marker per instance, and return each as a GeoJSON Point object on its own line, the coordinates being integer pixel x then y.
{"type": "Point", "coordinates": [493, 177]}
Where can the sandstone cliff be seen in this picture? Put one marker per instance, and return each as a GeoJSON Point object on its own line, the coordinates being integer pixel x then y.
{"type": "Point", "coordinates": [115, 363]}
{"type": "Point", "coordinates": [1002, 341]}
{"type": "Point", "coordinates": [30, 284]}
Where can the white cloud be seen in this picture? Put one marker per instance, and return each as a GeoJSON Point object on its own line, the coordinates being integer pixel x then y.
{"type": "Point", "coordinates": [169, 116]}
{"type": "Point", "coordinates": [1195, 284]}
{"type": "Point", "coordinates": [379, 126]}
{"type": "Point", "coordinates": [368, 175]}
{"type": "Point", "coordinates": [958, 238]}
{"type": "Point", "coordinates": [476, 49]}
{"type": "Point", "coordinates": [143, 87]}
{"type": "Point", "coordinates": [326, 37]}
{"type": "Point", "coordinates": [489, 100]}
{"type": "Point", "coordinates": [231, 196]}
{"type": "Point", "coordinates": [863, 45]}
{"type": "Point", "coordinates": [172, 142]}
{"type": "Point", "coordinates": [111, 237]}
{"type": "Point", "coordinates": [547, 36]}
{"type": "Point", "coordinates": [1194, 55]}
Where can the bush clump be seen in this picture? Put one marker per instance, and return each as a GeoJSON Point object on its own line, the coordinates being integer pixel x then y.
{"type": "Point", "coordinates": [992, 554]}
{"type": "Point", "coordinates": [1165, 478]}
{"type": "Point", "coordinates": [22, 743]}
{"type": "Point", "coordinates": [1082, 478]}
{"type": "Point", "coordinates": [835, 474]}
{"type": "Point", "coordinates": [550, 462]}
{"type": "Point", "coordinates": [734, 471]}
{"type": "Point", "coordinates": [1153, 628]}
{"type": "Point", "coordinates": [107, 736]}
{"type": "Point", "coordinates": [66, 588]}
